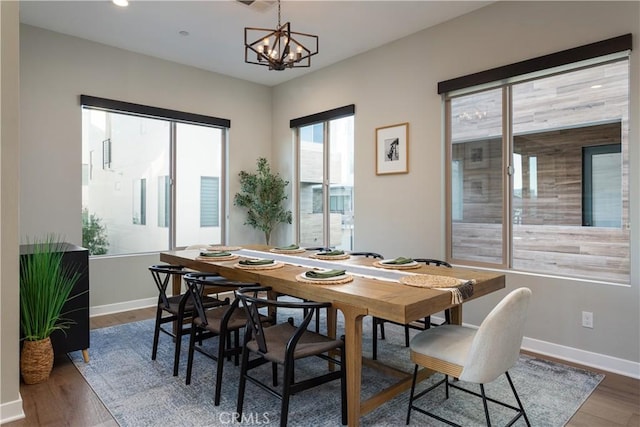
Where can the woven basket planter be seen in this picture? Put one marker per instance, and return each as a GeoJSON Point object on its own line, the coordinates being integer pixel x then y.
{"type": "Point", "coordinates": [36, 361]}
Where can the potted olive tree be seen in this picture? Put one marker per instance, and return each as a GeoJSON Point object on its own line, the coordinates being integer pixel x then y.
{"type": "Point", "coordinates": [262, 195]}
{"type": "Point", "coordinates": [45, 286]}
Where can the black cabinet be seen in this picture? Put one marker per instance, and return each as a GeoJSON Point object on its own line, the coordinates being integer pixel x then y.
{"type": "Point", "coordinates": [76, 309]}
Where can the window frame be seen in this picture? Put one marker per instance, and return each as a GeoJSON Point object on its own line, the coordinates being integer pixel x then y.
{"type": "Point", "coordinates": [612, 50]}
{"type": "Point", "coordinates": [173, 117]}
{"type": "Point", "coordinates": [325, 119]}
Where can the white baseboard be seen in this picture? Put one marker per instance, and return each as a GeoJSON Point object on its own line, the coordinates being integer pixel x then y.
{"type": "Point", "coordinates": [119, 307]}
{"type": "Point", "coordinates": [582, 357]}
{"type": "Point", "coordinates": [11, 411]}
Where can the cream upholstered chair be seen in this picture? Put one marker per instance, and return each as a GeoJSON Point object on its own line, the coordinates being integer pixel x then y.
{"type": "Point", "coordinates": [477, 356]}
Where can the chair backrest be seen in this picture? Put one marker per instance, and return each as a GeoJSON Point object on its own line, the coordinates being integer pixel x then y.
{"type": "Point", "coordinates": [367, 254]}
{"type": "Point", "coordinates": [496, 345]}
{"type": "Point", "coordinates": [252, 302]}
{"type": "Point", "coordinates": [431, 261]}
{"type": "Point", "coordinates": [161, 274]}
{"type": "Point", "coordinates": [196, 283]}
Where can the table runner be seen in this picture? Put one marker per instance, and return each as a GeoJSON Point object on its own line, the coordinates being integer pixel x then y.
{"type": "Point", "coordinates": [358, 270]}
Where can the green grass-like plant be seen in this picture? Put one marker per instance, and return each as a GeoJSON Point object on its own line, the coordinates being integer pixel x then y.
{"type": "Point", "coordinates": [45, 286]}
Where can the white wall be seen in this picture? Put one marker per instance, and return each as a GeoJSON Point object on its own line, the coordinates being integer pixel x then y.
{"type": "Point", "coordinates": [55, 70]}
{"type": "Point", "coordinates": [10, 400]}
{"type": "Point", "coordinates": [397, 83]}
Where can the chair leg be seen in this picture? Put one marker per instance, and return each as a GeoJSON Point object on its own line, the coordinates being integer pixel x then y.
{"type": "Point", "coordinates": [156, 334]}
{"type": "Point", "coordinates": [286, 393]}
{"type": "Point", "coordinates": [176, 356]}
{"type": "Point", "coordinates": [427, 322]}
{"type": "Point", "coordinates": [513, 389]}
{"type": "Point", "coordinates": [446, 386]}
{"type": "Point", "coordinates": [236, 337]}
{"type": "Point", "coordinates": [413, 389]}
{"type": "Point", "coordinates": [406, 336]}
{"type": "Point", "coordinates": [220, 366]}
{"type": "Point", "coordinates": [343, 387]}
{"type": "Point", "coordinates": [242, 385]}
{"type": "Point", "coordinates": [192, 345]}
{"type": "Point", "coordinates": [484, 403]}
{"type": "Point", "coordinates": [274, 373]}
{"type": "Point", "coordinates": [374, 344]}
{"type": "Point", "coordinates": [382, 330]}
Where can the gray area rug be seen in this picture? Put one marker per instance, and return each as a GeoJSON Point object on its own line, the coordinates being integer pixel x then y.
{"type": "Point", "coordinates": [141, 392]}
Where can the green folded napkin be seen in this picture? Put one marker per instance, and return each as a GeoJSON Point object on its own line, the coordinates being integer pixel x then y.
{"type": "Point", "coordinates": [313, 274]}
{"type": "Point", "coordinates": [331, 253]}
{"type": "Point", "coordinates": [215, 254]}
{"type": "Point", "coordinates": [288, 248]}
{"type": "Point", "coordinates": [398, 261]}
{"type": "Point", "coordinates": [256, 261]}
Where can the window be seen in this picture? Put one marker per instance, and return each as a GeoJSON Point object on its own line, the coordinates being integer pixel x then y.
{"type": "Point", "coordinates": [164, 196]}
{"type": "Point", "coordinates": [140, 201]}
{"type": "Point", "coordinates": [209, 201]}
{"type": "Point", "coordinates": [325, 178]}
{"type": "Point", "coordinates": [106, 154]}
{"type": "Point", "coordinates": [163, 165]}
{"type": "Point", "coordinates": [536, 174]}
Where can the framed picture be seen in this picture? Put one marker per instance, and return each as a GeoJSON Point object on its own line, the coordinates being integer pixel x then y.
{"type": "Point", "coordinates": [477, 154]}
{"type": "Point", "coordinates": [392, 149]}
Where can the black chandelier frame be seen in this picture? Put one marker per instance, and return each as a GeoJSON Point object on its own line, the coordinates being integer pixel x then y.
{"type": "Point", "coordinates": [281, 48]}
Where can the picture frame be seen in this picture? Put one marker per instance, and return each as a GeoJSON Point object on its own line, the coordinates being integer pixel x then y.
{"type": "Point", "coordinates": [392, 149]}
{"type": "Point", "coordinates": [477, 154]}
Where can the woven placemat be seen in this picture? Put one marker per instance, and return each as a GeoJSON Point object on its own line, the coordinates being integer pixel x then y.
{"type": "Point", "coordinates": [396, 266]}
{"type": "Point", "coordinates": [430, 281]}
{"type": "Point", "coordinates": [302, 278]}
{"type": "Point", "coordinates": [216, 258]}
{"type": "Point", "coordinates": [288, 251]}
{"type": "Point", "coordinates": [330, 257]}
{"type": "Point", "coordinates": [271, 266]}
{"type": "Point", "coordinates": [223, 248]}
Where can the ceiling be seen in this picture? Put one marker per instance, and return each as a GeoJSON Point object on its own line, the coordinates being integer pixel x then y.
{"type": "Point", "coordinates": [216, 28]}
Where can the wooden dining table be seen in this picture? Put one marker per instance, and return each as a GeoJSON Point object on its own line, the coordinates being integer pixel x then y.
{"type": "Point", "coordinates": [365, 295]}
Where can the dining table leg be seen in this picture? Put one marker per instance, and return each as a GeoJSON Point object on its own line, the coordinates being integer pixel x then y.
{"type": "Point", "coordinates": [353, 354]}
{"type": "Point", "coordinates": [456, 314]}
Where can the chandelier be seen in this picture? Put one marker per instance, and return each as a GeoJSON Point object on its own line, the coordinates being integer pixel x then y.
{"type": "Point", "coordinates": [280, 48]}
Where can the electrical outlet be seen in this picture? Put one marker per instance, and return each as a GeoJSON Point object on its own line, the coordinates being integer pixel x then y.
{"type": "Point", "coordinates": [587, 319]}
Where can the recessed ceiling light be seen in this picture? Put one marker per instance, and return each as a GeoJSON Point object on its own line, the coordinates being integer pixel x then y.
{"type": "Point", "coordinates": [596, 86]}
{"type": "Point", "coordinates": [121, 3]}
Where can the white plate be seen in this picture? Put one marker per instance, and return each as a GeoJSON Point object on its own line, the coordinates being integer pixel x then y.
{"type": "Point", "coordinates": [409, 264]}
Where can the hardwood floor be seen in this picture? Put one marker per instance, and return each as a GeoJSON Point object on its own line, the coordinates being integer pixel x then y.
{"type": "Point", "coordinates": [67, 400]}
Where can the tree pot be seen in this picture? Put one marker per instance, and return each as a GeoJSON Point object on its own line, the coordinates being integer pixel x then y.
{"type": "Point", "coordinates": [36, 361]}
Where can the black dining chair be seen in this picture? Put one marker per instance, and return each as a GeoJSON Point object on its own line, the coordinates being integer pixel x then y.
{"type": "Point", "coordinates": [223, 321]}
{"type": "Point", "coordinates": [420, 324]}
{"type": "Point", "coordinates": [284, 344]}
{"type": "Point", "coordinates": [174, 309]}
